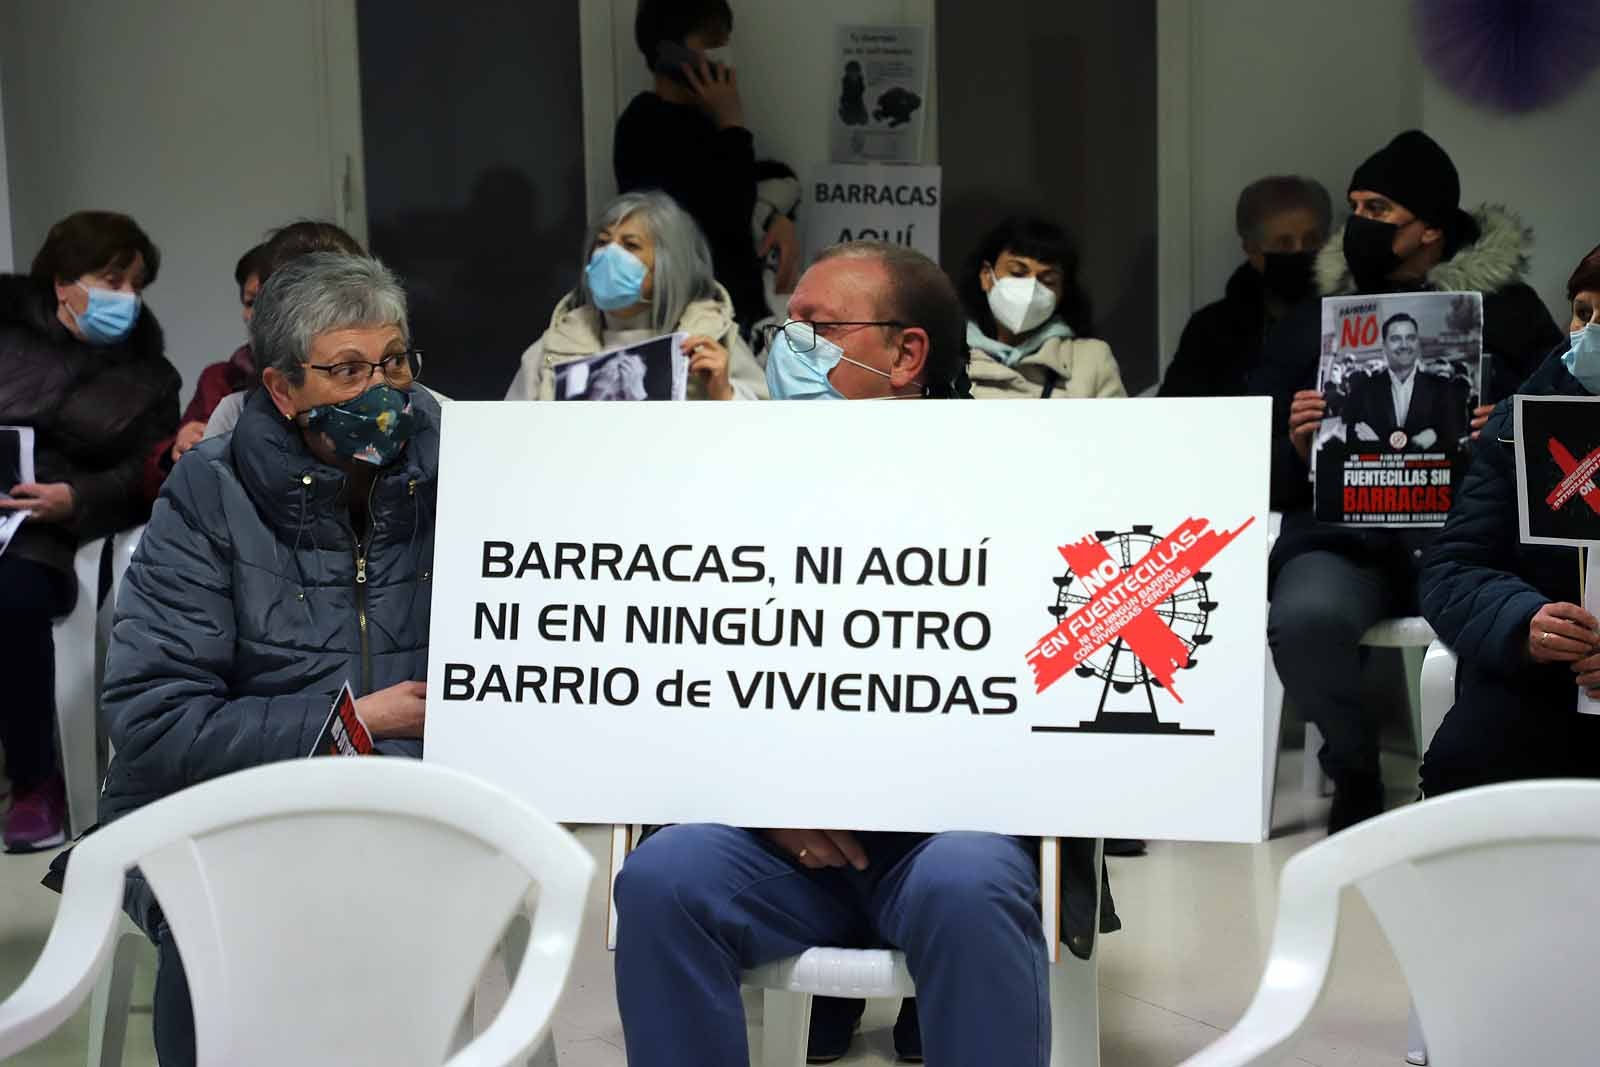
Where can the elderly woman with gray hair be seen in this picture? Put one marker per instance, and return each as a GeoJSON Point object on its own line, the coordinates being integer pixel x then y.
{"type": "Point", "coordinates": [281, 562]}
{"type": "Point", "coordinates": [647, 272]}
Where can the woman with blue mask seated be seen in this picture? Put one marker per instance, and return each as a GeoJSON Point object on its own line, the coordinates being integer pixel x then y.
{"type": "Point", "coordinates": [1028, 321]}
{"type": "Point", "coordinates": [647, 272]}
{"type": "Point", "coordinates": [1511, 611]}
{"type": "Point", "coordinates": [82, 369]}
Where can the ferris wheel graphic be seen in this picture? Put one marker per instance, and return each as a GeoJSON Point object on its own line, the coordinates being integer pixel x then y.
{"type": "Point", "coordinates": [1121, 674]}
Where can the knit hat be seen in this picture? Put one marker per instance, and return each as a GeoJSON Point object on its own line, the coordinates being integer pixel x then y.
{"type": "Point", "coordinates": [1414, 172]}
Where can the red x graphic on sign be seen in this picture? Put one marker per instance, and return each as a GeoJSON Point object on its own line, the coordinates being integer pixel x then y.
{"type": "Point", "coordinates": [1124, 602]}
{"type": "Point", "coordinates": [1578, 480]}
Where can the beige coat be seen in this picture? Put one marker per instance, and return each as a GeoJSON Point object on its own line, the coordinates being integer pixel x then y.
{"type": "Point", "coordinates": [578, 332]}
{"type": "Point", "coordinates": [1084, 369]}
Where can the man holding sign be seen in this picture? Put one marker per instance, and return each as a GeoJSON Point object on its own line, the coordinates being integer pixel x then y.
{"type": "Point", "coordinates": [699, 904]}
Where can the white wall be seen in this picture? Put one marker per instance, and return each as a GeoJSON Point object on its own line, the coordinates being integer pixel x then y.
{"type": "Point", "coordinates": [208, 121]}
{"type": "Point", "coordinates": [1541, 165]}
{"type": "Point", "coordinates": [1290, 87]}
{"type": "Point", "coordinates": [784, 56]}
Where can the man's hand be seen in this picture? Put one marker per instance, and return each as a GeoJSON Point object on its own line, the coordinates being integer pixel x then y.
{"type": "Point", "coordinates": [1480, 418]}
{"type": "Point", "coordinates": [782, 236]}
{"type": "Point", "coordinates": [397, 711]}
{"type": "Point", "coordinates": [189, 435]}
{"type": "Point", "coordinates": [43, 502]}
{"type": "Point", "coordinates": [716, 89]}
{"type": "Point", "coordinates": [709, 359]}
{"type": "Point", "coordinates": [821, 848]}
{"type": "Point", "coordinates": [1588, 671]}
{"type": "Point", "coordinates": [1562, 633]}
{"type": "Point", "coordinates": [1305, 417]}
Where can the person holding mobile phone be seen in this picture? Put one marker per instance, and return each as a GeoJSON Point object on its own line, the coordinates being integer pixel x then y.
{"type": "Point", "coordinates": [687, 137]}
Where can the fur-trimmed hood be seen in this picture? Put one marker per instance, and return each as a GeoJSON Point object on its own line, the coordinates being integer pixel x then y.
{"type": "Point", "coordinates": [1497, 258]}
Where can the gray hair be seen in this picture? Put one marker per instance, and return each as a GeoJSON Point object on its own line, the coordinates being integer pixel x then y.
{"type": "Point", "coordinates": [683, 259]}
{"type": "Point", "coordinates": [318, 292]}
{"type": "Point", "coordinates": [1266, 197]}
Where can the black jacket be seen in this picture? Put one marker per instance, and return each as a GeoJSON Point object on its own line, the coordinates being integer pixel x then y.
{"type": "Point", "coordinates": [711, 173]}
{"type": "Point", "coordinates": [1221, 343]}
{"type": "Point", "coordinates": [1480, 587]}
{"type": "Point", "coordinates": [96, 412]}
{"type": "Point", "coordinates": [1517, 330]}
{"type": "Point", "coordinates": [1437, 403]}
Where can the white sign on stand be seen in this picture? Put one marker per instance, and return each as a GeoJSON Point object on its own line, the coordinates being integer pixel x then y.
{"type": "Point", "coordinates": [851, 615]}
{"type": "Point", "coordinates": [871, 202]}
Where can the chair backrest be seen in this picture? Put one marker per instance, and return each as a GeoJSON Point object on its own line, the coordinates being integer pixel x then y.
{"type": "Point", "coordinates": [1487, 898]}
{"type": "Point", "coordinates": [336, 911]}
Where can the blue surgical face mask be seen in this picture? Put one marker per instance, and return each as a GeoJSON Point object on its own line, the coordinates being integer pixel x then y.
{"type": "Point", "coordinates": [1583, 358]}
{"type": "Point", "coordinates": [615, 277]}
{"type": "Point", "coordinates": [109, 316]}
{"type": "Point", "coordinates": [793, 375]}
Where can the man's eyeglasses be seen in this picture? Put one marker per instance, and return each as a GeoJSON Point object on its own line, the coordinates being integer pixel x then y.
{"type": "Point", "coordinates": [397, 368]}
{"type": "Point", "coordinates": [802, 333]}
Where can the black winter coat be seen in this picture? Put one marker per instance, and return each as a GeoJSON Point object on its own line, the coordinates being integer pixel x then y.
{"type": "Point", "coordinates": [1481, 586]}
{"type": "Point", "coordinates": [242, 612]}
{"type": "Point", "coordinates": [1221, 344]}
{"type": "Point", "coordinates": [96, 412]}
{"type": "Point", "coordinates": [1517, 330]}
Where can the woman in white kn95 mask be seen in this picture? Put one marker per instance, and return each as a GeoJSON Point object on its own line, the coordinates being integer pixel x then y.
{"type": "Point", "coordinates": [1028, 322]}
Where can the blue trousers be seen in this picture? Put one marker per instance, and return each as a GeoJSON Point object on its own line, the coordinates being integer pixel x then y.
{"type": "Point", "coordinates": [697, 905]}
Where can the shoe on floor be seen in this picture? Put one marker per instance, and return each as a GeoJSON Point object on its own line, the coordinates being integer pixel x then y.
{"type": "Point", "coordinates": [38, 818]}
{"type": "Point", "coordinates": [833, 1026]}
{"type": "Point", "coordinates": [1354, 800]}
{"type": "Point", "coordinates": [908, 1033]}
{"type": "Point", "coordinates": [1124, 846]}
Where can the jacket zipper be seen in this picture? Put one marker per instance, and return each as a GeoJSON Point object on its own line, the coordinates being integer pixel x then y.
{"type": "Point", "coordinates": [361, 595]}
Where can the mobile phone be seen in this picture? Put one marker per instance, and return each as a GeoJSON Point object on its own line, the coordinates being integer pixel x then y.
{"type": "Point", "coordinates": [672, 57]}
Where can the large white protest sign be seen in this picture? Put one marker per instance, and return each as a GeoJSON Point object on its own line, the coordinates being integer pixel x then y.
{"type": "Point", "coordinates": [871, 202]}
{"type": "Point", "coordinates": [1021, 618]}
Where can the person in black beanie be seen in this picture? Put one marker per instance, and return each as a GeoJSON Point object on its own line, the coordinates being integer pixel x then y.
{"type": "Point", "coordinates": [1328, 584]}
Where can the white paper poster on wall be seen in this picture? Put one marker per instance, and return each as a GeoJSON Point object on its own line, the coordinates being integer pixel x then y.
{"type": "Point", "coordinates": [871, 202]}
{"type": "Point", "coordinates": [880, 111]}
{"type": "Point", "coordinates": [849, 615]}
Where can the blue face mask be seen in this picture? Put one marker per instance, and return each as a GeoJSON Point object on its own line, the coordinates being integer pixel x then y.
{"type": "Point", "coordinates": [109, 317]}
{"type": "Point", "coordinates": [1583, 358]}
{"type": "Point", "coordinates": [615, 277]}
{"type": "Point", "coordinates": [793, 375]}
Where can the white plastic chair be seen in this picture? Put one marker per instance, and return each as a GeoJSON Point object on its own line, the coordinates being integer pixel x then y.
{"type": "Point", "coordinates": [788, 985]}
{"type": "Point", "coordinates": [328, 911]}
{"type": "Point", "coordinates": [81, 639]}
{"type": "Point", "coordinates": [1409, 633]}
{"type": "Point", "coordinates": [78, 662]}
{"type": "Point", "coordinates": [1486, 897]}
{"type": "Point", "coordinates": [1438, 696]}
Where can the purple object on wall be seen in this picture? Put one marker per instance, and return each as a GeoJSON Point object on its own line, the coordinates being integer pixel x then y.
{"type": "Point", "coordinates": [1512, 55]}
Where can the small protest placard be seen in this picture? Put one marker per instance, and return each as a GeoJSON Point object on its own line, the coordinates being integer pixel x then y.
{"type": "Point", "coordinates": [1558, 470]}
{"type": "Point", "coordinates": [344, 734]}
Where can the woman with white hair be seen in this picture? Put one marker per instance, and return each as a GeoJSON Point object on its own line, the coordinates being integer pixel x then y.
{"type": "Point", "coordinates": [647, 272]}
{"type": "Point", "coordinates": [281, 561]}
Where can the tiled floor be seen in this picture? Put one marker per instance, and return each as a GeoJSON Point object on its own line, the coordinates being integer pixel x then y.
{"type": "Point", "coordinates": [1197, 919]}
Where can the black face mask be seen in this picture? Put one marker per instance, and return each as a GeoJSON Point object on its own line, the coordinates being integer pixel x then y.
{"type": "Point", "coordinates": [1287, 275]}
{"type": "Point", "coordinates": [1369, 250]}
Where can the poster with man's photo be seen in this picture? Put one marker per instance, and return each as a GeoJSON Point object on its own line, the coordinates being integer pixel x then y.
{"type": "Point", "coordinates": [1558, 469]}
{"type": "Point", "coordinates": [655, 369]}
{"type": "Point", "coordinates": [1400, 374]}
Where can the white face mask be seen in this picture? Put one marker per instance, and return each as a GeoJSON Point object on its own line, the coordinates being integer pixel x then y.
{"type": "Point", "coordinates": [1020, 304]}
